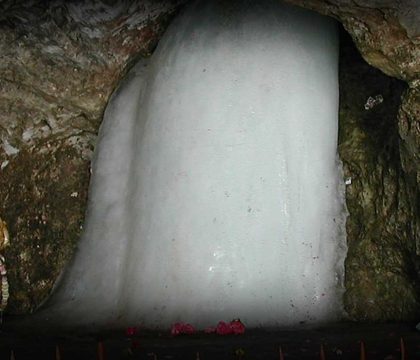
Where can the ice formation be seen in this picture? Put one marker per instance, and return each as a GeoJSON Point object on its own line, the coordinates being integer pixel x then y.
{"type": "Point", "coordinates": [216, 190]}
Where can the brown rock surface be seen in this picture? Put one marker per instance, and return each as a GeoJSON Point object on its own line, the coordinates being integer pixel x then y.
{"type": "Point", "coordinates": [59, 63]}
{"type": "Point", "coordinates": [381, 280]}
{"type": "Point", "coordinates": [386, 32]}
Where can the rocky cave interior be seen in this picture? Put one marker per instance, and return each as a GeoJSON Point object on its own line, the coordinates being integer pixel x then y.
{"type": "Point", "coordinates": [61, 61]}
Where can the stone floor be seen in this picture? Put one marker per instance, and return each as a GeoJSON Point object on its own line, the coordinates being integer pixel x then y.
{"type": "Point", "coordinates": [340, 341]}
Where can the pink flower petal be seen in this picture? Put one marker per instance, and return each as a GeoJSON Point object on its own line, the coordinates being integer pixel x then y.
{"type": "Point", "coordinates": [223, 328]}
{"type": "Point", "coordinates": [237, 327]}
{"type": "Point", "coordinates": [182, 328]}
{"type": "Point", "coordinates": [188, 329]}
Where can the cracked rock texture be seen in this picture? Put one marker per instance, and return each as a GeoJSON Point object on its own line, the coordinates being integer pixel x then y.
{"type": "Point", "coordinates": [381, 281]}
{"type": "Point", "coordinates": [59, 63]}
{"type": "Point", "coordinates": [61, 60]}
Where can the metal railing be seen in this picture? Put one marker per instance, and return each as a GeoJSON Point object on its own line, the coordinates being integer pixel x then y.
{"type": "Point", "coordinates": [238, 354]}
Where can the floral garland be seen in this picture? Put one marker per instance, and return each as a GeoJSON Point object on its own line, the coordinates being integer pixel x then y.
{"type": "Point", "coordinates": [4, 241]}
{"type": "Point", "coordinates": [4, 284]}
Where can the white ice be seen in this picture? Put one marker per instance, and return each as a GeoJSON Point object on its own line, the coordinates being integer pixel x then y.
{"type": "Point", "coordinates": [216, 190]}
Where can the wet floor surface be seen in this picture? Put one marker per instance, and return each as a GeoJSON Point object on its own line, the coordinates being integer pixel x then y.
{"type": "Point", "coordinates": [340, 341]}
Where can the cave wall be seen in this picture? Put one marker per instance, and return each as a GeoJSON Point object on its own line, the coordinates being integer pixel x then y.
{"type": "Point", "coordinates": [381, 280]}
{"type": "Point", "coordinates": [61, 61]}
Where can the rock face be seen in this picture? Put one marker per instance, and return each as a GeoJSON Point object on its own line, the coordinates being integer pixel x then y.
{"type": "Point", "coordinates": [61, 60]}
{"type": "Point", "coordinates": [380, 265]}
{"type": "Point", "coordinates": [387, 33]}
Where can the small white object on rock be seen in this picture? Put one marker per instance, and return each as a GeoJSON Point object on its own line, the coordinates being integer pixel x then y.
{"type": "Point", "coordinates": [4, 164]}
{"type": "Point", "coordinates": [373, 101]}
{"type": "Point", "coordinates": [8, 148]}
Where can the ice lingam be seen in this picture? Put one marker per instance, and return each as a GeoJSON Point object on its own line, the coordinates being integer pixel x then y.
{"type": "Point", "coordinates": [216, 190]}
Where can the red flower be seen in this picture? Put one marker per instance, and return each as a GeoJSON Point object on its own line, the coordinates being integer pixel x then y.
{"type": "Point", "coordinates": [223, 328]}
{"type": "Point", "coordinates": [182, 328]}
{"type": "Point", "coordinates": [234, 327]}
{"type": "Point", "coordinates": [131, 331]}
{"type": "Point", "coordinates": [176, 329]}
{"type": "Point", "coordinates": [237, 327]}
{"type": "Point", "coordinates": [188, 329]}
